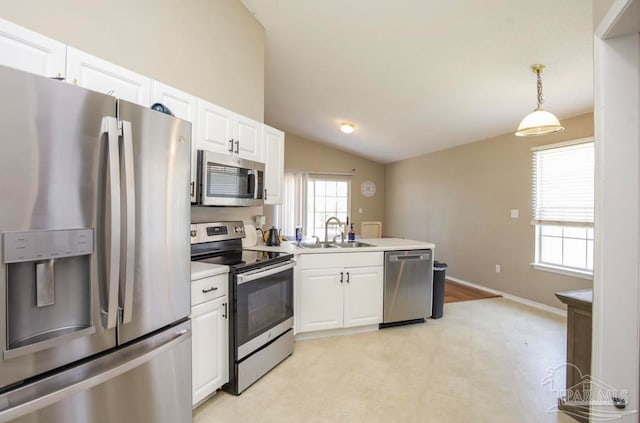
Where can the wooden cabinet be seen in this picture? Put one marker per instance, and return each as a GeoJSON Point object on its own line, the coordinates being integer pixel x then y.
{"type": "Point", "coordinates": [209, 335]}
{"type": "Point", "coordinates": [273, 142]}
{"type": "Point", "coordinates": [222, 131]}
{"type": "Point", "coordinates": [99, 75]}
{"type": "Point", "coordinates": [579, 322]}
{"type": "Point", "coordinates": [29, 51]}
{"type": "Point", "coordinates": [333, 297]}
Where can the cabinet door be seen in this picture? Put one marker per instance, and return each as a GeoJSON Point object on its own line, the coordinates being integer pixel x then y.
{"type": "Point", "coordinates": [209, 347]}
{"type": "Point", "coordinates": [363, 296]}
{"type": "Point", "coordinates": [274, 164]}
{"type": "Point", "coordinates": [247, 137]}
{"type": "Point", "coordinates": [183, 106]}
{"type": "Point", "coordinates": [320, 299]}
{"type": "Point", "coordinates": [29, 51]}
{"type": "Point", "coordinates": [213, 128]}
{"type": "Point", "coordinates": [99, 75]}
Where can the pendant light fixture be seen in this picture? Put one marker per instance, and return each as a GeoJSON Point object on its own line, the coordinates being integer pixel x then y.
{"type": "Point", "coordinates": [539, 122]}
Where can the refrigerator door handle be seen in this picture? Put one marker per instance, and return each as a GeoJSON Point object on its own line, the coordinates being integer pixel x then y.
{"type": "Point", "coordinates": [128, 266]}
{"type": "Point", "coordinates": [55, 388]}
{"type": "Point", "coordinates": [110, 127]}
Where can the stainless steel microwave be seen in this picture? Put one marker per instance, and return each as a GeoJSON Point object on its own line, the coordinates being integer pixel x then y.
{"type": "Point", "coordinates": [224, 180]}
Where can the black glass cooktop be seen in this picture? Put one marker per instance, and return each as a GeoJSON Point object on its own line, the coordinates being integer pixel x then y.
{"type": "Point", "coordinates": [244, 260]}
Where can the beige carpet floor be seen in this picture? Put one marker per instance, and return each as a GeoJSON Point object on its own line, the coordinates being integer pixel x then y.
{"type": "Point", "coordinates": [483, 362]}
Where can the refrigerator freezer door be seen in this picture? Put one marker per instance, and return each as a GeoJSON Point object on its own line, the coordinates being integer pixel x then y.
{"type": "Point", "coordinates": [146, 382]}
{"type": "Point", "coordinates": [161, 152]}
{"type": "Point", "coordinates": [55, 186]}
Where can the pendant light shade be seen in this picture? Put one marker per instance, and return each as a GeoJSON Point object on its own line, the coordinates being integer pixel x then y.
{"type": "Point", "coordinates": [539, 122]}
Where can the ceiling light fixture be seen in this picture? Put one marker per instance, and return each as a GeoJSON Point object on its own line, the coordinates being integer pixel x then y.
{"type": "Point", "coordinates": [539, 122]}
{"type": "Point", "coordinates": [346, 127]}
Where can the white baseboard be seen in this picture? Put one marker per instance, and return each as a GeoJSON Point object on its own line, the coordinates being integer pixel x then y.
{"type": "Point", "coordinates": [534, 304]}
{"type": "Point", "coordinates": [335, 332]}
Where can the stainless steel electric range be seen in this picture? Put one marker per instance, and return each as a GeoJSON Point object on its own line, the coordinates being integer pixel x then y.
{"type": "Point", "coordinates": [260, 299]}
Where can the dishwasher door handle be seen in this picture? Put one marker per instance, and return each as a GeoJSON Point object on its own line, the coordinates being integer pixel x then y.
{"type": "Point", "coordinates": [419, 257]}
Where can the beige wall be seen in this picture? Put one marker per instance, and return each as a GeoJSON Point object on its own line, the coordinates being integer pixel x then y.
{"type": "Point", "coordinates": [460, 199]}
{"type": "Point", "coordinates": [309, 156]}
{"type": "Point", "coordinates": [213, 49]}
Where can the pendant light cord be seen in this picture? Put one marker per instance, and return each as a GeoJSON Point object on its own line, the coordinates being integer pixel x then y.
{"type": "Point", "coordinates": [540, 99]}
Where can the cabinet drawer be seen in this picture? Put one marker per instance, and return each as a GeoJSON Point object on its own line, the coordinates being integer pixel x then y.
{"type": "Point", "coordinates": [208, 288]}
{"type": "Point", "coordinates": [345, 259]}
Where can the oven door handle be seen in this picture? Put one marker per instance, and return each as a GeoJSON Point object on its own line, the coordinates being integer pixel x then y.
{"type": "Point", "coordinates": [262, 273]}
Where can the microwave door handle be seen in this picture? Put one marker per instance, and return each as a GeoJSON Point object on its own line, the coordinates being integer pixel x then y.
{"type": "Point", "coordinates": [130, 218]}
{"type": "Point", "coordinates": [252, 185]}
{"type": "Point", "coordinates": [110, 127]}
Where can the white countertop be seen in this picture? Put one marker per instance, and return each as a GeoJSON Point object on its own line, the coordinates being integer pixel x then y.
{"type": "Point", "coordinates": [377, 244]}
{"type": "Point", "coordinates": [201, 270]}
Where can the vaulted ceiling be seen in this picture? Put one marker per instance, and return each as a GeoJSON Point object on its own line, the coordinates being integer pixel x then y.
{"type": "Point", "coordinates": [417, 76]}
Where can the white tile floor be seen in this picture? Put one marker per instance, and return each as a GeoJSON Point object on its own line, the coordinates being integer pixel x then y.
{"type": "Point", "coordinates": [483, 362]}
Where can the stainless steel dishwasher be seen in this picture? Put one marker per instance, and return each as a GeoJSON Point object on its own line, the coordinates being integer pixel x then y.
{"type": "Point", "coordinates": [408, 286]}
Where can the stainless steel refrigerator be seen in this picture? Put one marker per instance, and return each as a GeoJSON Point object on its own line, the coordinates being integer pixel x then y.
{"type": "Point", "coordinates": [94, 224]}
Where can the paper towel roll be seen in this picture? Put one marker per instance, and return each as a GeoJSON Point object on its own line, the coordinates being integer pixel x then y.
{"type": "Point", "coordinates": [250, 238]}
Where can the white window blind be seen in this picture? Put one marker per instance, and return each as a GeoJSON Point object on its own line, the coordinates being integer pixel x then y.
{"type": "Point", "coordinates": [563, 184]}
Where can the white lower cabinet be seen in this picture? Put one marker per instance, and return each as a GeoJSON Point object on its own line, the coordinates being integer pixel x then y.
{"type": "Point", "coordinates": [339, 297]}
{"type": "Point", "coordinates": [209, 336]}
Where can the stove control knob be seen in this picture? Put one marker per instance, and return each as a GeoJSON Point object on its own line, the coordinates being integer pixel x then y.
{"type": "Point", "coordinates": [193, 233]}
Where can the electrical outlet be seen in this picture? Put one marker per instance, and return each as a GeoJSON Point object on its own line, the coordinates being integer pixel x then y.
{"type": "Point", "coordinates": [498, 268]}
{"type": "Point", "coordinates": [360, 210]}
{"type": "Point", "coordinates": [515, 213]}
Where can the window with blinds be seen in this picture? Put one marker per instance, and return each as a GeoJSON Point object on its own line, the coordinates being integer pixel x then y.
{"type": "Point", "coordinates": [563, 205]}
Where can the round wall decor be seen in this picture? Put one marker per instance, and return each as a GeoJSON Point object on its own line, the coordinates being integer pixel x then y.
{"type": "Point", "coordinates": [368, 188]}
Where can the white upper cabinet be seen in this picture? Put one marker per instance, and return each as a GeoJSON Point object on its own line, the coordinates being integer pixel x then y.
{"type": "Point", "coordinates": [222, 131]}
{"type": "Point", "coordinates": [214, 128]}
{"type": "Point", "coordinates": [274, 164]}
{"type": "Point", "coordinates": [247, 138]}
{"type": "Point", "coordinates": [99, 75]}
{"type": "Point", "coordinates": [181, 104]}
{"type": "Point", "coordinates": [29, 51]}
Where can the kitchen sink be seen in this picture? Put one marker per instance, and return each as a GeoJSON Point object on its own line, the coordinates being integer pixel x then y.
{"type": "Point", "coordinates": [318, 245]}
{"type": "Point", "coordinates": [336, 245]}
{"type": "Point", "coordinates": [355, 244]}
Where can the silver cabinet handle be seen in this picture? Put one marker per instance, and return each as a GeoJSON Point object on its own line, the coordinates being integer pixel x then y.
{"type": "Point", "coordinates": [237, 146]}
{"type": "Point", "coordinates": [110, 127]}
{"type": "Point", "coordinates": [265, 194]}
{"type": "Point", "coordinates": [226, 314]}
{"type": "Point", "coordinates": [231, 145]}
{"type": "Point", "coordinates": [130, 218]}
{"type": "Point", "coordinates": [213, 288]}
{"type": "Point", "coordinates": [347, 277]}
{"type": "Point", "coordinates": [341, 277]}
{"type": "Point", "coordinates": [193, 186]}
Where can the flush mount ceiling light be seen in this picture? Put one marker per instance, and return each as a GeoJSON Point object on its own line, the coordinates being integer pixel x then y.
{"type": "Point", "coordinates": [346, 127]}
{"type": "Point", "coordinates": [539, 122]}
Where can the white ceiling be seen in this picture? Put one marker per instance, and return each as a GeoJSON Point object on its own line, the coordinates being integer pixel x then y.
{"type": "Point", "coordinates": [416, 76]}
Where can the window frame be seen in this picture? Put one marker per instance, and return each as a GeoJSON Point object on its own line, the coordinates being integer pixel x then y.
{"type": "Point", "coordinates": [538, 264]}
{"type": "Point", "coordinates": [298, 207]}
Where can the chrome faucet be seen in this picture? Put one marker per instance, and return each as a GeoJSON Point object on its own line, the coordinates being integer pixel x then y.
{"type": "Point", "coordinates": [326, 228]}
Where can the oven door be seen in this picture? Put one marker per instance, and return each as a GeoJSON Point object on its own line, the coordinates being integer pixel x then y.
{"type": "Point", "coordinates": [263, 306]}
{"type": "Point", "coordinates": [229, 181]}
